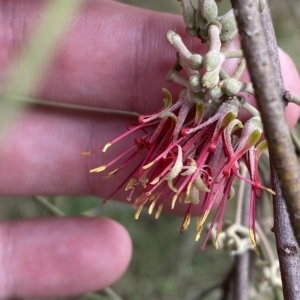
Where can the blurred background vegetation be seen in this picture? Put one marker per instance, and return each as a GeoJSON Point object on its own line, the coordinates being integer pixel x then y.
{"type": "Point", "coordinates": [165, 264]}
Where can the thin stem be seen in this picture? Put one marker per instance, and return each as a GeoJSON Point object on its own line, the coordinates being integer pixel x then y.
{"type": "Point", "coordinates": [291, 97]}
{"type": "Point", "coordinates": [29, 100]}
{"type": "Point", "coordinates": [240, 69]}
{"type": "Point", "coordinates": [265, 243]}
{"type": "Point", "coordinates": [223, 74]}
{"type": "Point", "coordinates": [111, 294]}
{"type": "Point", "coordinates": [251, 109]}
{"type": "Point", "coordinates": [241, 278]}
{"type": "Point", "coordinates": [49, 206]}
{"type": "Point", "coordinates": [240, 196]}
{"type": "Point", "coordinates": [248, 88]}
{"type": "Point", "coordinates": [107, 292]}
{"type": "Point", "coordinates": [213, 33]}
{"type": "Point", "coordinates": [93, 296]}
{"type": "Point", "coordinates": [234, 54]}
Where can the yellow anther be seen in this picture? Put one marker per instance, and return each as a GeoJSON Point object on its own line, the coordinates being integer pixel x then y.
{"type": "Point", "coordinates": [186, 222]}
{"type": "Point", "coordinates": [270, 191]}
{"type": "Point", "coordinates": [150, 210]}
{"type": "Point", "coordinates": [138, 211]}
{"type": "Point", "coordinates": [198, 233]}
{"type": "Point", "coordinates": [174, 201]}
{"type": "Point", "coordinates": [106, 147]}
{"type": "Point", "coordinates": [86, 153]}
{"type": "Point", "coordinates": [155, 180]}
{"type": "Point", "coordinates": [188, 190]}
{"type": "Point", "coordinates": [113, 172]}
{"type": "Point", "coordinates": [253, 241]}
{"type": "Point", "coordinates": [202, 219]}
{"type": "Point", "coordinates": [144, 182]}
{"type": "Point", "coordinates": [160, 207]}
{"type": "Point", "coordinates": [148, 165]}
{"type": "Point", "coordinates": [153, 197]}
{"type": "Point", "coordinates": [216, 245]}
{"type": "Point", "coordinates": [130, 184]}
{"type": "Point", "coordinates": [138, 199]}
{"type": "Point", "coordinates": [99, 169]}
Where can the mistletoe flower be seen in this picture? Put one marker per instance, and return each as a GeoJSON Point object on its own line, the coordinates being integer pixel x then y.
{"type": "Point", "coordinates": [183, 157]}
{"type": "Point", "coordinates": [190, 151]}
{"type": "Point", "coordinates": [244, 149]}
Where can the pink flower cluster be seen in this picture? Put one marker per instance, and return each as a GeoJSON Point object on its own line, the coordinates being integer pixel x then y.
{"type": "Point", "coordinates": [191, 152]}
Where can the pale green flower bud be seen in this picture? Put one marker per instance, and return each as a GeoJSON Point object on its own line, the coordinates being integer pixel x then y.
{"type": "Point", "coordinates": [188, 13]}
{"type": "Point", "coordinates": [195, 61]}
{"type": "Point", "coordinates": [170, 34]}
{"type": "Point", "coordinates": [211, 60]}
{"type": "Point", "coordinates": [210, 79]}
{"type": "Point", "coordinates": [209, 10]}
{"type": "Point", "coordinates": [201, 25]}
{"type": "Point", "coordinates": [195, 81]}
{"type": "Point", "coordinates": [229, 28]}
{"type": "Point", "coordinates": [231, 86]}
{"type": "Point", "coordinates": [216, 93]}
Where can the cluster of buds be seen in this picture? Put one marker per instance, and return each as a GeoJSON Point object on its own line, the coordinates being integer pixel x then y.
{"type": "Point", "coordinates": [190, 151]}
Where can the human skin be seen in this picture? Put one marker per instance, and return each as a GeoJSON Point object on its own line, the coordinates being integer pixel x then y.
{"type": "Point", "coordinates": [112, 56]}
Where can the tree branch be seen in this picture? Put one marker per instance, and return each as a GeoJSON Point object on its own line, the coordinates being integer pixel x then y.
{"type": "Point", "coordinates": [266, 80]}
{"type": "Point", "coordinates": [286, 245]}
{"type": "Point", "coordinates": [269, 102]}
{"type": "Point", "coordinates": [272, 48]}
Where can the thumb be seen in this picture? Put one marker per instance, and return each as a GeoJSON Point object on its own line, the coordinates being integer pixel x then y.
{"type": "Point", "coordinates": [59, 257]}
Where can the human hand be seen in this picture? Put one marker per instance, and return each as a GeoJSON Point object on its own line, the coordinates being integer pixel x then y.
{"type": "Point", "coordinates": [113, 56]}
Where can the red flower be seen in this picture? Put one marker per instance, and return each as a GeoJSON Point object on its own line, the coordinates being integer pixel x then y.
{"type": "Point", "coordinates": [184, 157]}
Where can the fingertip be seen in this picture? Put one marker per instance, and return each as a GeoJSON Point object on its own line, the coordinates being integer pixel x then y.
{"type": "Point", "coordinates": [119, 249]}
{"type": "Point", "coordinates": [292, 83]}
{"type": "Point", "coordinates": [59, 257]}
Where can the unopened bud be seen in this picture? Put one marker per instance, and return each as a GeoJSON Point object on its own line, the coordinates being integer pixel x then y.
{"type": "Point", "coordinates": [171, 35]}
{"type": "Point", "coordinates": [195, 81]}
{"type": "Point", "coordinates": [188, 13]}
{"type": "Point", "coordinates": [210, 80]}
{"type": "Point", "coordinates": [209, 10]}
{"type": "Point", "coordinates": [211, 60]}
{"type": "Point", "coordinates": [216, 92]}
{"type": "Point", "coordinates": [229, 28]}
{"type": "Point", "coordinates": [231, 86]}
{"type": "Point", "coordinates": [195, 61]}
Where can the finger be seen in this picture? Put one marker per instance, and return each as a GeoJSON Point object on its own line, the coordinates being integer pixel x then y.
{"type": "Point", "coordinates": [40, 154]}
{"type": "Point", "coordinates": [112, 55]}
{"type": "Point", "coordinates": [291, 82]}
{"type": "Point", "coordinates": [61, 257]}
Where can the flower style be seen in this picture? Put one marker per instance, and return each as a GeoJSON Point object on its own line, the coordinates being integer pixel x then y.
{"type": "Point", "coordinates": [190, 150]}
